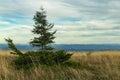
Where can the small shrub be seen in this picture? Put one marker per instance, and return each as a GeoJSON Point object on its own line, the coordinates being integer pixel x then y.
{"type": "Point", "coordinates": [49, 58]}
{"type": "Point", "coordinates": [24, 62]}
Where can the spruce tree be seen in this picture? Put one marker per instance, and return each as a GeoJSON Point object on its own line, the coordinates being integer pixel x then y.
{"type": "Point", "coordinates": [44, 37]}
{"type": "Point", "coordinates": [42, 29]}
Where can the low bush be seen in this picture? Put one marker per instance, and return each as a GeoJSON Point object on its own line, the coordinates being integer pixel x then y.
{"type": "Point", "coordinates": [35, 58]}
{"type": "Point", "coordinates": [49, 58]}
{"type": "Point", "coordinates": [22, 62]}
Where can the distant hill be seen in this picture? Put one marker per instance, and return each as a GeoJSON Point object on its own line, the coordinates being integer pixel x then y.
{"type": "Point", "coordinates": [69, 47]}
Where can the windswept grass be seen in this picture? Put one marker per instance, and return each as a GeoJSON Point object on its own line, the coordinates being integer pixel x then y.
{"type": "Point", "coordinates": [100, 65]}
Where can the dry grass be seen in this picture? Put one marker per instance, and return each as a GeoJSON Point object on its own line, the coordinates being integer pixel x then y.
{"type": "Point", "coordinates": [101, 65]}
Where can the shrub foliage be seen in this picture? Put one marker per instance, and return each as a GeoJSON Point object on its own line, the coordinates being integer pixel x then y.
{"type": "Point", "coordinates": [36, 58]}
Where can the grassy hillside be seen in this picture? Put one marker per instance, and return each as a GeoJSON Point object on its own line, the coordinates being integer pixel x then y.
{"type": "Point", "coordinates": [101, 65]}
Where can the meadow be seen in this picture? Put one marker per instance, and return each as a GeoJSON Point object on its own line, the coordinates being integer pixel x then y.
{"type": "Point", "coordinates": [99, 65]}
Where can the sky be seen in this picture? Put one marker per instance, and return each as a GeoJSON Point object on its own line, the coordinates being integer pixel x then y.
{"type": "Point", "coordinates": [76, 21]}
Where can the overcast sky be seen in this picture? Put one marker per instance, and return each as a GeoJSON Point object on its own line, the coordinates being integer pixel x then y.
{"type": "Point", "coordinates": [76, 21]}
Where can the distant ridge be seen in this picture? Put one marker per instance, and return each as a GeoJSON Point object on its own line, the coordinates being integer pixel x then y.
{"type": "Point", "coordinates": [69, 47]}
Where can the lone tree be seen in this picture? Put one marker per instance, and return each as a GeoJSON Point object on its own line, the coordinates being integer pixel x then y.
{"type": "Point", "coordinates": [42, 29]}
{"type": "Point", "coordinates": [44, 36]}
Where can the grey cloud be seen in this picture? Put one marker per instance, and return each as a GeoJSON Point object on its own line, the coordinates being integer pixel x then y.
{"type": "Point", "coordinates": [95, 18]}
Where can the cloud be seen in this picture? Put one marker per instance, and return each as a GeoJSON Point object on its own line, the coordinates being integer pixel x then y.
{"type": "Point", "coordinates": [4, 23]}
{"type": "Point", "coordinates": [76, 21]}
{"type": "Point", "coordinates": [19, 33]}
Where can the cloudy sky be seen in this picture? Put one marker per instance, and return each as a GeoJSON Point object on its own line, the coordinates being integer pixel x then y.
{"type": "Point", "coordinates": [76, 21]}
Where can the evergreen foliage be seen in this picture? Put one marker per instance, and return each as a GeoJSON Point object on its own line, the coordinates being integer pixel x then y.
{"type": "Point", "coordinates": [42, 29]}
{"type": "Point", "coordinates": [13, 47]}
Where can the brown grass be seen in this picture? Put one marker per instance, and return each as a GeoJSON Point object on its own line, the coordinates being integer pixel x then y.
{"type": "Point", "coordinates": [100, 65]}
